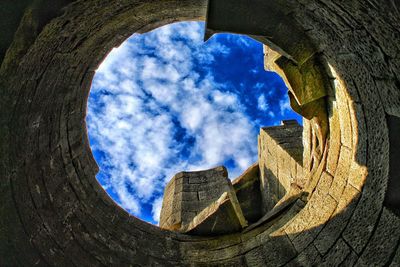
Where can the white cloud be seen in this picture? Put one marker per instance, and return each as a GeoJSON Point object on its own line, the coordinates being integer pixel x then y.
{"type": "Point", "coordinates": [284, 105]}
{"type": "Point", "coordinates": [262, 103]}
{"type": "Point", "coordinates": [128, 202]}
{"type": "Point", "coordinates": [156, 210]}
{"type": "Point", "coordinates": [146, 93]}
{"type": "Point", "coordinates": [225, 98]}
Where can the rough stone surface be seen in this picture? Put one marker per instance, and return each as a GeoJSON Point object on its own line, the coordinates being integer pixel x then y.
{"type": "Point", "coordinates": [280, 151]}
{"type": "Point", "coordinates": [307, 81]}
{"type": "Point", "coordinates": [53, 211]}
{"type": "Point", "coordinates": [201, 202]}
{"type": "Point", "coordinates": [247, 189]}
{"type": "Point", "coordinates": [220, 217]}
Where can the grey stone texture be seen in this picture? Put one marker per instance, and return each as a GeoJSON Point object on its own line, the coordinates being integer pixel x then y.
{"type": "Point", "coordinates": [201, 202]}
{"type": "Point", "coordinates": [248, 192]}
{"type": "Point", "coordinates": [53, 212]}
{"type": "Point", "coordinates": [223, 216]}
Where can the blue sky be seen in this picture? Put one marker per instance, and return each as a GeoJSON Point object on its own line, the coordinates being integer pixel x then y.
{"type": "Point", "coordinates": [165, 101]}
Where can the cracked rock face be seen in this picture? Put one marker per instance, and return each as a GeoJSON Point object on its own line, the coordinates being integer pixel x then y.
{"type": "Point", "coordinates": [54, 212]}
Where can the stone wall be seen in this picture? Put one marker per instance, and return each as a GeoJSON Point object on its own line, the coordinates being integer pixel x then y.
{"type": "Point", "coordinates": [54, 212]}
{"type": "Point", "coordinates": [247, 189]}
{"type": "Point", "coordinates": [187, 196]}
{"type": "Point", "coordinates": [280, 151]}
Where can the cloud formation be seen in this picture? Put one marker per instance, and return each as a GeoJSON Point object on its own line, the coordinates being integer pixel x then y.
{"type": "Point", "coordinates": [157, 108]}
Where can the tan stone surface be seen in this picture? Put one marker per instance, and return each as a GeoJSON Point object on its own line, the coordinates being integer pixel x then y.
{"type": "Point", "coordinates": [280, 151]}
{"type": "Point", "coordinates": [344, 115]}
{"type": "Point", "coordinates": [357, 175]}
{"type": "Point", "coordinates": [358, 127]}
{"type": "Point", "coordinates": [307, 81]}
{"type": "Point", "coordinates": [310, 220]}
{"type": "Point", "coordinates": [334, 140]}
{"type": "Point", "coordinates": [315, 174]}
{"type": "Point", "coordinates": [270, 56]}
{"type": "Point", "coordinates": [307, 146]}
{"type": "Point", "coordinates": [338, 222]}
{"type": "Point", "coordinates": [341, 173]}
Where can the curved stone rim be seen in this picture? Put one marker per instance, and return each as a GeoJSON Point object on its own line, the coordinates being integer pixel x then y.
{"type": "Point", "coordinates": [45, 214]}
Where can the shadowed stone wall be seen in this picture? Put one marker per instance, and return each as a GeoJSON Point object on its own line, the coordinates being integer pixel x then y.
{"type": "Point", "coordinates": [247, 189]}
{"type": "Point", "coordinates": [54, 212]}
{"type": "Point", "coordinates": [188, 193]}
{"type": "Point", "coordinates": [281, 161]}
{"type": "Point", "coordinates": [201, 202]}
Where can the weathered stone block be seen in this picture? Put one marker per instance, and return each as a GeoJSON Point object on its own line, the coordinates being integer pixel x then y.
{"type": "Point", "coordinates": [308, 257]}
{"type": "Point", "coordinates": [344, 115]}
{"type": "Point", "coordinates": [338, 221]}
{"type": "Point", "coordinates": [334, 141]}
{"type": "Point", "coordinates": [280, 161]}
{"type": "Point", "coordinates": [383, 242]}
{"type": "Point", "coordinates": [221, 217]}
{"type": "Point", "coordinates": [307, 81]}
{"type": "Point", "coordinates": [337, 254]}
{"type": "Point", "coordinates": [202, 202]}
{"type": "Point", "coordinates": [341, 173]}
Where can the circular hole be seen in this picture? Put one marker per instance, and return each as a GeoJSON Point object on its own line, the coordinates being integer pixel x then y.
{"type": "Point", "coordinates": [165, 101]}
